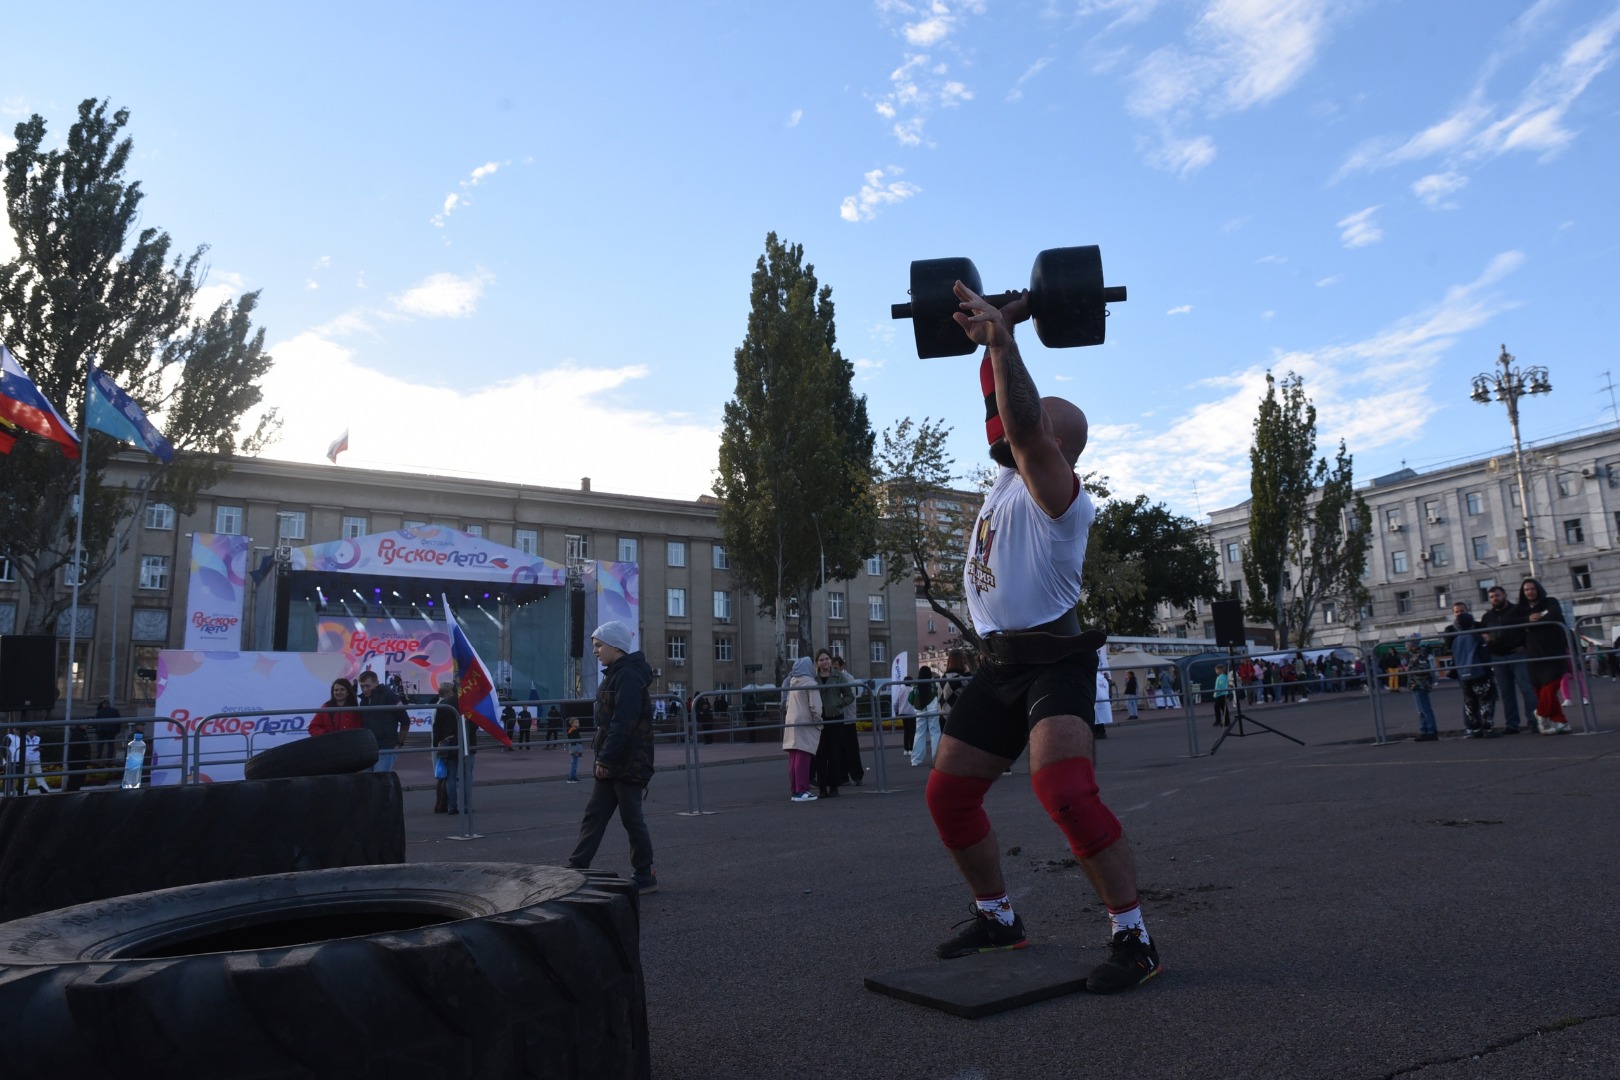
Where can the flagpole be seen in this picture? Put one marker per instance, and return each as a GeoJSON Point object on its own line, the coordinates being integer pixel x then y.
{"type": "Point", "coordinates": [78, 570]}
{"type": "Point", "coordinates": [461, 745]}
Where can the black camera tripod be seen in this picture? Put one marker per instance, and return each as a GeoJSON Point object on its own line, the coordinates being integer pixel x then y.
{"type": "Point", "coordinates": [1234, 724]}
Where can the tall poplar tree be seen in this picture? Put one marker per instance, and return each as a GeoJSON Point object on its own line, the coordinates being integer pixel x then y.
{"type": "Point", "coordinates": [795, 473]}
{"type": "Point", "coordinates": [1283, 471]}
{"type": "Point", "coordinates": [86, 286]}
{"type": "Point", "coordinates": [1335, 555]}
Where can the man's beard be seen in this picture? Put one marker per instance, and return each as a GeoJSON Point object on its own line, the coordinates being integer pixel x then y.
{"type": "Point", "coordinates": [1001, 453]}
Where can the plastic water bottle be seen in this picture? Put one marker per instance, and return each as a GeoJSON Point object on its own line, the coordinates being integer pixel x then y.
{"type": "Point", "coordinates": [133, 762]}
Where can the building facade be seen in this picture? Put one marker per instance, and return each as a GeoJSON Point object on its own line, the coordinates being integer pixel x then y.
{"type": "Point", "coordinates": [697, 628]}
{"type": "Point", "coordinates": [1453, 532]}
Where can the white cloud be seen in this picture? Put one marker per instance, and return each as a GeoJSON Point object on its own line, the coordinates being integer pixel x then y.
{"type": "Point", "coordinates": [457, 199]}
{"type": "Point", "coordinates": [1329, 281]}
{"type": "Point", "coordinates": [218, 287]}
{"type": "Point", "coordinates": [1017, 91]}
{"type": "Point", "coordinates": [1436, 189]}
{"type": "Point", "coordinates": [793, 120]}
{"type": "Point", "coordinates": [311, 284]}
{"type": "Point", "coordinates": [1274, 260]}
{"type": "Point", "coordinates": [323, 262]}
{"type": "Point", "coordinates": [875, 193]}
{"type": "Point", "coordinates": [923, 82]}
{"type": "Point", "coordinates": [1184, 157]}
{"type": "Point", "coordinates": [1183, 309]}
{"type": "Point", "coordinates": [1371, 393]}
{"type": "Point", "coordinates": [1267, 316]}
{"type": "Point", "coordinates": [442, 296]}
{"type": "Point", "coordinates": [1359, 229]}
{"type": "Point", "coordinates": [579, 402]}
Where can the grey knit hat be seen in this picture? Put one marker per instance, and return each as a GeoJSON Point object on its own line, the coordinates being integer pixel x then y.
{"type": "Point", "coordinates": [616, 634]}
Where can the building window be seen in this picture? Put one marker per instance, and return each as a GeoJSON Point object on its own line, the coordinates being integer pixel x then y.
{"type": "Point", "coordinates": [677, 691]}
{"type": "Point", "coordinates": [1330, 613]}
{"type": "Point", "coordinates": [676, 550]}
{"type": "Point", "coordinates": [1573, 532]}
{"type": "Point", "coordinates": [527, 541]}
{"type": "Point", "coordinates": [149, 624]}
{"type": "Point", "coordinates": [874, 608]}
{"type": "Point", "coordinates": [722, 561]}
{"type": "Point", "coordinates": [722, 649]}
{"type": "Point", "coordinates": [676, 647]}
{"type": "Point", "coordinates": [1438, 555]}
{"type": "Point", "coordinates": [1234, 552]}
{"type": "Point", "coordinates": [228, 519]}
{"type": "Point", "coordinates": [1235, 590]}
{"type": "Point", "coordinates": [792, 609]}
{"type": "Point", "coordinates": [835, 605]}
{"type": "Point", "coordinates": [1397, 561]}
{"type": "Point", "coordinates": [931, 627]}
{"type": "Point", "coordinates": [629, 550]}
{"type": "Point", "coordinates": [1403, 603]}
{"type": "Point", "coordinates": [354, 527]}
{"type": "Point", "coordinates": [7, 573]}
{"type": "Point", "coordinates": [1431, 511]}
{"type": "Point", "coordinates": [412, 523]}
{"type": "Point", "coordinates": [473, 530]}
{"type": "Point", "coordinates": [145, 672]}
{"type": "Point", "coordinates": [290, 525]}
{"type": "Point", "coordinates": [1482, 547]}
{"type": "Point", "coordinates": [675, 607]}
{"type": "Point", "coordinates": [1580, 576]}
{"type": "Point", "coordinates": [880, 651]}
{"type": "Point", "coordinates": [578, 547]}
{"type": "Point", "coordinates": [1475, 503]}
{"type": "Point", "coordinates": [722, 606]}
{"type": "Point", "coordinates": [1566, 484]}
{"type": "Point", "coordinates": [1524, 545]}
{"type": "Point", "coordinates": [1392, 519]}
{"type": "Point", "coordinates": [874, 566]}
{"type": "Point", "coordinates": [793, 648]}
{"type": "Point", "coordinates": [1442, 597]}
{"type": "Point", "coordinates": [154, 571]}
{"type": "Point", "coordinates": [839, 647]}
{"type": "Point", "coordinates": [70, 572]}
{"type": "Point", "coordinates": [1486, 584]}
{"type": "Point", "coordinates": [159, 516]}
{"type": "Point", "coordinates": [1513, 496]}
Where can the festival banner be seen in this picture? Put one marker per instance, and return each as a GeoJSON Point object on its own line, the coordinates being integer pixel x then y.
{"type": "Point", "coordinates": [214, 592]}
{"type": "Point", "coordinates": [416, 650]}
{"type": "Point", "coordinates": [612, 591]}
{"type": "Point", "coordinates": [899, 670]}
{"type": "Point", "coordinates": [429, 551]}
{"type": "Point", "coordinates": [193, 686]}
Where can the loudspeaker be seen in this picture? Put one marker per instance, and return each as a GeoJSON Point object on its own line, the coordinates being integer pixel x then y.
{"type": "Point", "coordinates": [576, 623]}
{"type": "Point", "coordinates": [27, 672]}
{"type": "Point", "coordinates": [1228, 616]}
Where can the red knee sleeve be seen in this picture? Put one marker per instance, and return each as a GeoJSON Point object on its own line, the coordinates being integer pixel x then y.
{"type": "Point", "coordinates": [1068, 790]}
{"type": "Point", "coordinates": [957, 806]}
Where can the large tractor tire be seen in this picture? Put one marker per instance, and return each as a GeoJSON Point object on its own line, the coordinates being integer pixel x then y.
{"type": "Point", "coordinates": [61, 850]}
{"type": "Point", "coordinates": [348, 751]}
{"type": "Point", "coordinates": [433, 970]}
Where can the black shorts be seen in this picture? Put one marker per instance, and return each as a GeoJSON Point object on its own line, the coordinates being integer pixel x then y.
{"type": "Point", "coordinates": [1003, 702]}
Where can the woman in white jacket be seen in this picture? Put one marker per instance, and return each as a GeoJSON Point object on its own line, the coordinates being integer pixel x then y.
{"type": "Point", "coordinates": [802, 733]}
{"type": "Point", "coordinates": [32, 777]}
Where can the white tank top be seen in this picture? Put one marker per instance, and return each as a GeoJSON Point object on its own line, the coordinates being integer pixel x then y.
{"type": "Point", "coordinates": [1023, 567]}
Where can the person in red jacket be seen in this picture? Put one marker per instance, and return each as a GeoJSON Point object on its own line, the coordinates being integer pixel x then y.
{"type": "Point", "coordinates": [338, 714]}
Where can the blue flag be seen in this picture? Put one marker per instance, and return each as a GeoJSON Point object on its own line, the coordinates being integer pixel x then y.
{"type": "Point", "coordinates": [109, 409]}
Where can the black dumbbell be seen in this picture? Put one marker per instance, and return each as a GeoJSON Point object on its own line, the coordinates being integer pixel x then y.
{"type": "Point", "coordinates": [1067, 300]}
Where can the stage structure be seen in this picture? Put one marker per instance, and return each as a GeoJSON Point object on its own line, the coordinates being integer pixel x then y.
{"type": "Point", "coordinates": [379, 598]}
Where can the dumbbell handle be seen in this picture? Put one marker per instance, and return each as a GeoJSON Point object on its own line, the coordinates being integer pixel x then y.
{"type": "Point", "coordinates": [1111, 294]}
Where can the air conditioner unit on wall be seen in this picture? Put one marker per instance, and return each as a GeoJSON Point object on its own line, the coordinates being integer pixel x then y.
{"type": "Point", "coordinates": [1436, 519]}
{"type": "Point", "coordinates": [1396, 527]}
{"type": "Point", "coordinates": [1423, 556]}
{"type": "Point", "coordinates": [1591, 472]}
{"type": "Point", "coordinates": [679, 661]}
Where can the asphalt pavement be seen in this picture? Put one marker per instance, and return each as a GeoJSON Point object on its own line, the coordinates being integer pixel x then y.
{"type": "Point", "coordinates": [1341, 909]}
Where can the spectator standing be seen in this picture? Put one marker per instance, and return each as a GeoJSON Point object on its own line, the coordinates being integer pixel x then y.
{"type": "Point", "coordinates": [1470, 659]}
{"type": "Point", "coordinates": [801, 730]}
{"type": "Point", "coordinates": [525, 723]}
{"type": "Point", "coordinates": [509, 722]}
{"type": "Point", "coordinates": [33, 778]}
{"type": "Point", "coordinates": [109, 725]}
{"type": "Point", "coordinates": [1222, 695]}
{"type": "Point", "coordinates": [1131, 692]}
{"type": "Point", "coordinates": [554, 725]}
{"type": "Point", "coordinates": [624, 753]}
{"type": "Point", "coordinates": [574, 749]}
{"type": "Point", "coordinates": [838, 757]}
{"type": "Point", "coordinates": [390, 726]}
{"type": "Point", "coordinates": [1546, 653]}
{"type": "Point", "coordinates": [457, 732]}
{"type": "Point", "coordinates": [338, 713]}
{"type": "Point", "coordinates": [1420, 680]}
{"type": "Point", "coordinates": [1506, 644]}
{"type": "Point", "coordinates": [925, 699]}
{"type": "Point", "coordinates": [81, 739]}
{"type": "Point", "coordinates": [445, 751]}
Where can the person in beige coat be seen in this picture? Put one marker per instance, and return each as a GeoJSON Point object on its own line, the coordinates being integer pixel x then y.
{"type": "Point", "coordinates": [802, 731]}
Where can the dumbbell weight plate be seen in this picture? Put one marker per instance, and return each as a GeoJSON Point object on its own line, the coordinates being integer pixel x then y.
{"type": "Point", "coordinates": [933, 302]}
{"type": "Point", "coordinates": [1066, 297]}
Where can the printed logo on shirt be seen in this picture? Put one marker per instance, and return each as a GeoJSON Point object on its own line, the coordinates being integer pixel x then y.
{"type": "Point", "coordinates": [979, 574]}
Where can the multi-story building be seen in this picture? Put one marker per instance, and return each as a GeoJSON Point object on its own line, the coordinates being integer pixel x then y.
{"type": "Point", "coordinates": [1453, 532]}
{"type": "Point", "coordinates": [957, 510]}
{"type": "Point", "coordinates": [697, 627]}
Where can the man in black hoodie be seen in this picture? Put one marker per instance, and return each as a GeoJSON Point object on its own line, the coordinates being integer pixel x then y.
{"type": "Point", "coordinates": [1507, 653]}
{"type": "Point", "coordinates": [624, 753]}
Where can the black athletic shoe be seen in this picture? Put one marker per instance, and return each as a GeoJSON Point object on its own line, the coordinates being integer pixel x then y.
{"type": "Point", "coordinates": [1130, 963]}
{"type": "Point", "coordinates": [985, 934]}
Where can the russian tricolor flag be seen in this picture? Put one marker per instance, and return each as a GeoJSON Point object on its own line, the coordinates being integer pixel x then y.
{"type": "Point", "coordinates": [23, 406]}
{"type": "Point", "coordinates": [475, 690]}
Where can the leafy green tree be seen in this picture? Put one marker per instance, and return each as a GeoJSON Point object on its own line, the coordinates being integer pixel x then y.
{"type": "Point", "coordinates": [920, 533]}
{"type": "Point", "coordinates": [1335, 555]}
{"type": "Point", "coordinates": [85, 286]}
{"type": "Point", "coordinates": [796, 473]}
{"type": "Point", "coordinates": [1283, 471]}
{"type": "Point", "coordinates": [1138, 557]}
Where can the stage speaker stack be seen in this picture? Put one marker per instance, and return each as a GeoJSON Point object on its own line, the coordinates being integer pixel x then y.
{"type": "Point", "coordinates": [576, 623]}
{"type": "Point", "coordinates": [27, 672]}
{"type": "Point", "coordinates": [1228, 623]}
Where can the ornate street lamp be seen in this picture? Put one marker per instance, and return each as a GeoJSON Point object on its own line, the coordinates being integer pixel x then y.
{"type": "Point", "coordinates": [1509, 385]}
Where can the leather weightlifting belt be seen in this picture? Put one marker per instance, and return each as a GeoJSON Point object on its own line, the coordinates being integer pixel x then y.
{"type": "Point", "coordinates": [1045, 644]}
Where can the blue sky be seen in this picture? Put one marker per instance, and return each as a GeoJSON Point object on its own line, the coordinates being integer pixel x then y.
{"type": "Point", "coordinates": [515, 240]}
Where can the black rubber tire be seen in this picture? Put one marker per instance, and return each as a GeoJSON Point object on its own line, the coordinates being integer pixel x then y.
{"type": "Point", "coordinates": [60, 850]}
{"type": "Point", "coordinates": [318, 755]}
{"type": "Point", "coordinates": [434, 970]}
